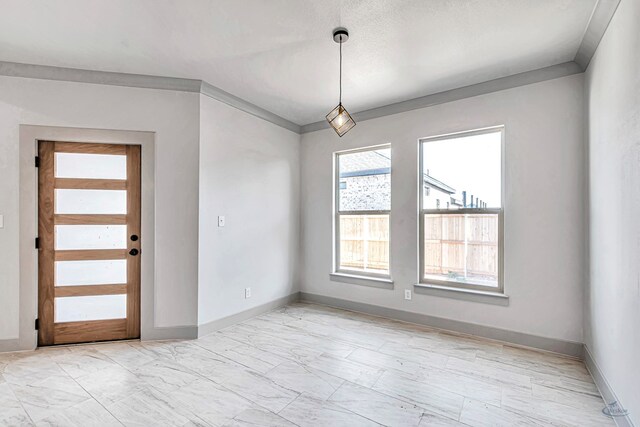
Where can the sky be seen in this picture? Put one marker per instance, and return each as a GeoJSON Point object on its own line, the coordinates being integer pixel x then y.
{"type": "Point", "coordinates": [471, 163]}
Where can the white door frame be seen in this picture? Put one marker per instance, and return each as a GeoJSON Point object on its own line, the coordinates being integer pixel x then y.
{"type": "Point", "coordinates": [29, 135]}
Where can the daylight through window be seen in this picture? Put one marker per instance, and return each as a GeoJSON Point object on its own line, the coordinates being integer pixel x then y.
{"type": "Point", "coordinates": [363, 204]}
{"type": "Point", "coordinates": [461, 210]}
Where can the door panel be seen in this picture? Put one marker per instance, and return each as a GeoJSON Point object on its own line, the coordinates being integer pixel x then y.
{"type": "Point", "coordinates": [90, 237]}
{"type": "Point", "coordinates": [89, 230]}
{"type": "Point", "coordinates": [74, 332]}
{"type": "Point", "coordinates": [76, 201]}
{"type": "Point", "coordinates": [90, 273]}
{"type": "Point", "coordinates": [91, 166]}
{"type": "Point", "coordinates": [90, 307]}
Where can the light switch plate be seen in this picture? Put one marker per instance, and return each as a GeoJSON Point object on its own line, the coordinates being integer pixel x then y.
{"type": "Point", "coordinates": [221, 221]}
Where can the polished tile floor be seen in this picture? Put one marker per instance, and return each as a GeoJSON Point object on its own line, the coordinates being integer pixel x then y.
{"type": "Point", "coordinates": [304, 365]}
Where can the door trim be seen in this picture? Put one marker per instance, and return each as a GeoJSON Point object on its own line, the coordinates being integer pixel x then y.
{"type": "Point", "coordinates": [22, 281]}
{"type": "Point", "coordinates": [46, 254]}
{"type": "Point", "coordinates": [134, 211]}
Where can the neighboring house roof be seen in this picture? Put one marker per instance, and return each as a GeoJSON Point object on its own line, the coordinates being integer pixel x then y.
{"type": "Point", "coordinates": [365, 163]}
{"type": "Point", "coordinates": [438, 184]}
{"type": "Point", "coordinates": [378, 162]}
{"type": "Point", "coordinates": [367, 172]}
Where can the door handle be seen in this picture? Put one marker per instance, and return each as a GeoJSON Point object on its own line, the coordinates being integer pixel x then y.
{"type": "Point", "coordinates": [134, 252]}
{"type": "Point", "coordinates": [134, 237]}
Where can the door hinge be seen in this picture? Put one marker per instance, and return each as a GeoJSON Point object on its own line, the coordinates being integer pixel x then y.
{"type": "Point", "coordinates": [37, 161]}
{"type": "Point", "coordinates": [37, 243]}
{"type": "Point", "coordinates": [37, 325]}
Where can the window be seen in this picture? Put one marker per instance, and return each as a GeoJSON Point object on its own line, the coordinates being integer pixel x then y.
{"type": "Point", "coordinates": [363, 204]}
{"type": "Point", "coordinates": [461, 218]}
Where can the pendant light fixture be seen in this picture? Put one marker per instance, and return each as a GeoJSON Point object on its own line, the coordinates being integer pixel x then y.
{"type": "Point", "coordinates": [339, 119]}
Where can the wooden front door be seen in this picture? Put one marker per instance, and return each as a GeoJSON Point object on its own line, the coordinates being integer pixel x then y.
{"type": "Point", "coordinates": [88, 242]}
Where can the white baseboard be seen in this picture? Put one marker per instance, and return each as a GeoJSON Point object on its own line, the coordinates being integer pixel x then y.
{"type": "Point", "coordinates": [604, 387]}
{"type": "Point", "coordinates": [209, 327]}
{"type": "Point", "coordinates": [568, 348]}
{"type": "Point", "coordinates": [171, 333]}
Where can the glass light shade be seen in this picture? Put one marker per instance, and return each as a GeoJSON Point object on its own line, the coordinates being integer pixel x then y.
{"type": "Point", "coordinates": [340, 120]}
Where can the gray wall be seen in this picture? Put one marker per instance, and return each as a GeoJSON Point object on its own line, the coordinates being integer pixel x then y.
{"type": "Point", "coordinates": [544, 210]}
{"type": "Point", "coordinates": [250, 173]}
{"type": "Point", "coordinates": [210, 159]}
{"type": "Point", "coordinates": [612, 309]}
{"type": "Point", "coordinates": [173, 116]}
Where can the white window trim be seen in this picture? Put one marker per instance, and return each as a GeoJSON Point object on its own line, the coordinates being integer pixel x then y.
{"type": "Point", "coordinates": [443, 284]}
{"type": "Point", "coordinates": [336, 270]}
{"type": "Point", "coordinates": [356, 279]}
{"type": "Point", "coordinates": [486, 297]}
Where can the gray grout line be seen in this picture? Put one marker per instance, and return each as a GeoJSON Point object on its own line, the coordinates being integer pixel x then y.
{"type": "Point", "coordinates": [91, 396]}
{"type": "Point", "coordinates": [286, 406]}
{"type": "Point", "coordinates": [230, 390]}
{"type": "Point", "coordinates": [21, 404]}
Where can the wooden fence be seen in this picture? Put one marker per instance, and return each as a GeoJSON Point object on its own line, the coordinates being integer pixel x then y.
{"type": "Point", "coordinates": [464, 245]}
{"type": "Point", "coordinates": [364, 244]}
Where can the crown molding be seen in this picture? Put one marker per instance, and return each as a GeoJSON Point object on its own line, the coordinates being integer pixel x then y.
{"type": "Point", "coordinates": [46, 72]}
{"type": "Point", "coordinates": [503, 83]}
{"type": "Point", "coordinates": [601, 16]}
{"type": "Point", "coordinates": [239, 103]}
{"type": "Point", "coordinates": [598, 23]}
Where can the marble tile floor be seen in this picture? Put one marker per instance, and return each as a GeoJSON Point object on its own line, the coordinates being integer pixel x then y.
{"type": "Point", "coordinates": [300, 365]}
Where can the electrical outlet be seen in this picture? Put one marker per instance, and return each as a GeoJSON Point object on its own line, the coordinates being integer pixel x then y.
{"type": "Point", "coordinates": [247, 293]}
{"type": "Point", "coordinates": [221, 221]}
{"type": "Point", "coordinates": [407, 294]}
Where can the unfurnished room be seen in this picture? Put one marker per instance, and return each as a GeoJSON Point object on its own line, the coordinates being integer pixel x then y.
{"type": "Point", "coordinates": [320, 213]}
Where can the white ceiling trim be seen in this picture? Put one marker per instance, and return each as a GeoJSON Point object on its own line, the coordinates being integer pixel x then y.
{"type": "Point", "coordinates": [598, 23]}
{"type": "Point", "coordinates": [45, 72]}
{"type": "Point", "coordinates": [503, 83]}
{"type": "Point", "coordinates": [13, 69]}
{"type": "Point", "coordinates": [247, 107]}
{"type": "Point", "coordinates": [601, 16]}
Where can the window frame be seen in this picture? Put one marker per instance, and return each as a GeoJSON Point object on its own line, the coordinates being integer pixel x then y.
{"type": "Point", "coordinates": [337, 213]}
{"type": "Point", "coordinates": [499, 211]}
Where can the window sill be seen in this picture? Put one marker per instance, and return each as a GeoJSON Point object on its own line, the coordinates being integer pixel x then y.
{"type": "Point", "coordinates": [486, 297]}
{"type": "Point", "coordinates": [354, 279]}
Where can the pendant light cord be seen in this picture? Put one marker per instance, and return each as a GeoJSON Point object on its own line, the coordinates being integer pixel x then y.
{"type": "Point", "coordinates": [340, 98]}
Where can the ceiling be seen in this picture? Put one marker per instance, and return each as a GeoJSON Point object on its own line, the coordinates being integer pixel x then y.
{"type": "Point", "coordinates": [279, 54]}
